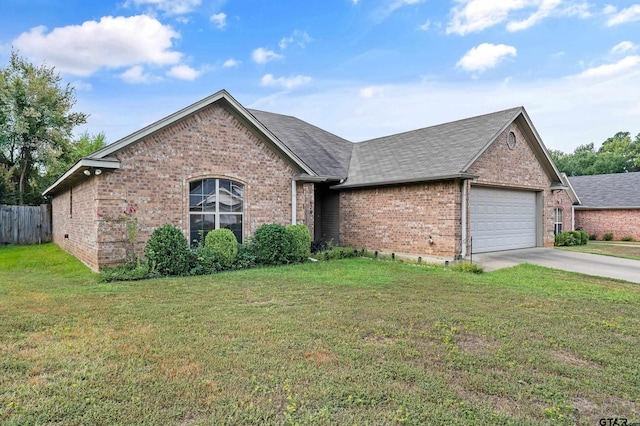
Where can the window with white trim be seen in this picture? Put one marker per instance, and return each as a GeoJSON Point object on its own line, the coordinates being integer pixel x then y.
{"type": "Point", "coordinates": [215, 204]}
{"type": "Point", "coordinates": [557, 221]}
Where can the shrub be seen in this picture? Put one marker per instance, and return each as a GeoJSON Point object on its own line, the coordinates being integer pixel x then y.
{"type": "Point", "coordinates": [129, 272]}
{"type": "Point", "coordinates": [168, 251]}
{"type": "Point", "coordinates": [300, 243]}
{"type": "Point", "coordinates": [593, 237]}
{"type": "Point", "coordinates": [339, 253]}
{"type": "Point", "coordinates": [321, 245]}
{"type": "Point", "coordinates": [272, 244]}
{"type": "Point", "coordinates": [202, 261]}
{"type": "Point", "coordinates": [465, 266]}
{"type": "Point", "coordinates": [246, 257]}
{"type": "Point", "coordinates": [584, 237]}
{"type": "Point", "coordinates": [607, 237]}
{"type": "Point", "coordinates": [627, 238]}
{"type": "Point", "coordinates": [224, 246]}
{"type": "Point", "coordinates": [571, 238]}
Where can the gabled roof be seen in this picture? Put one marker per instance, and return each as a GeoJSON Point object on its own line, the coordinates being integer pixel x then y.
{"type": "Point", "coordinates": [619, 190]}
{"type": "Point", "coordinates": [326, 153]}
{"type": "Point", "coordinates": [445, 151]}
{"type": "Point", "coordinates": [222, 97]}
{"type": "Point", "coordinates": [439, 152]}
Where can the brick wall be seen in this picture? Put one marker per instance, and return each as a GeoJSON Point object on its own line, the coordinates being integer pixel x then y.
{"type": "Point", "coordinates": [154, 178]}
{"type": "Point", "coordinates": [401, 218]}
{"type": "Point", "coordinates": [75, 223]}
{"type": "Point", "coordinates": [517, 168]}
{"type": "Point", "coordinates": [563, 201]}
{"type": "Point", "coordinates": [621, 223]}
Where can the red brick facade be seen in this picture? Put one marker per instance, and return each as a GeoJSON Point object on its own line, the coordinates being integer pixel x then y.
{"type": "Point", "coordinates": [563, 202]}
{"type": "Point", "coordinates": [154, 178]}
{"type": "Point", "coordinates": [402, 218]}
{"type": "Point", "coordinates": [517, 168]}
{"type": "Point", "coordinates": [619, 222]}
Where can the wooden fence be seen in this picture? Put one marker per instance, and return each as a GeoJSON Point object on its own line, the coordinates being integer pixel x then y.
{"type": "Point", "coordinates": [25, 224]}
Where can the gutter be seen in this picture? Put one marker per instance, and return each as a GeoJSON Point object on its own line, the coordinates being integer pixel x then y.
{"type": "Point", "coordinates": [82, 165]}
{"type": "Point", "coordinates": [403, 181]}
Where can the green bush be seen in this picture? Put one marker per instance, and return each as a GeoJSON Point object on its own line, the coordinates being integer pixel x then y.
{"type": "Point", "coordinates": [246, 257]}
{"type": "Point", "coordinates": [584, 237]}
{"type": "Point", "coordinates": [224, 246]}
{"type": "Point", "coordinates": [607, 237]}
{"type": "Point", "coordinates": [339, 253]}
{"type": "Point", "coordinates": [627, 238]}
{"type": "Point", "coordinates": [571, 238]}
{"type": "Point", "coordinates": [272, 244]}
{"type": "Point", "coordinates": [300, 243]}
{"type": "Point", "coordinates": [202, 261]}
{"type": "Point", "coordinates": [168, 251]}
{"type": "Point", "coordinates": [129, 272]}
{"type": "Point", "coordinates": [593, 237]}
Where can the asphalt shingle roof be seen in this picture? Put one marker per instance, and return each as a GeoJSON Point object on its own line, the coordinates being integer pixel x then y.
{"type": "Point", "coordinates": [326, 153]}
{"type": "Point", "coordinates": [428, 153]}
{"type": "Point", "coordinates": [613, 190]}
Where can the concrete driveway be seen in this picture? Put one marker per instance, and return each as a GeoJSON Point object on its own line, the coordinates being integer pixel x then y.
{"type": "Point", "coordinates": [586, 263]}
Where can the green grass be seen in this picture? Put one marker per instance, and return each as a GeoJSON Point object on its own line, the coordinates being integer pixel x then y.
{"type": "Point", "coordinates": [629, 250]}
{"type": "Point", "coordinates": [355, 341]}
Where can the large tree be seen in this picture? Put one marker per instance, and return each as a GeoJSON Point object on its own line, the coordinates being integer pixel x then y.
{"type": "Point", "coordinates": [36, 122]}
{"type": "Point", "coordinates": [618, 154]}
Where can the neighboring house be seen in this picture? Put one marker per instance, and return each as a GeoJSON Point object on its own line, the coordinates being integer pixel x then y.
{"type": "Point", "coordinates": [603, 204]}
{"type": "Point", "coordinates": [481, 184]}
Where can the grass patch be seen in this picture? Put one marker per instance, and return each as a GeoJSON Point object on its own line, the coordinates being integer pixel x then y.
{"type": "Point", "coordinates": [353, 341]}
{"type": "Point", "coordinates": [628, 250]}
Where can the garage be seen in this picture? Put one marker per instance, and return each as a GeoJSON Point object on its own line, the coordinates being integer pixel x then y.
{"type": "Point", "coordinates": [502, 219]}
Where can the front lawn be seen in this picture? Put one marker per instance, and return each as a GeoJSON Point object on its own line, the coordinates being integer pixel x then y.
{"type": "Point", "coordinates": [355, 341]}
{"type": "Point", "coordinates": [629, 250]}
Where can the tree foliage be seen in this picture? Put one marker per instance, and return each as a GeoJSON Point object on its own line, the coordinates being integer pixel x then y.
{"type": "Point", "coordinates": [618, 154]}
{"type": "Point", "coordinates": [36, 124]}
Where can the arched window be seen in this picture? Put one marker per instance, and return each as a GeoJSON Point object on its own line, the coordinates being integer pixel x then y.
{"type": "Point", "coordinates": [557, 221]}
{"type": "Point", "coordinates": [215, 204]}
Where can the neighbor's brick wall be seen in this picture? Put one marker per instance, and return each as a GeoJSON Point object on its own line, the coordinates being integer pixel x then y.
{"type": "Point", "coordinates": [401, 218]}
{"type": "Point", "coordinates": [621, 223]}
{"type": "Point", "coordinates": [517, 168]}
{"type": "Point", "coordinates": [563, 201]}
{"type": "Point", "coordinates": [155, 174]}
{"type": "Point", "coordinates": [81, 226]}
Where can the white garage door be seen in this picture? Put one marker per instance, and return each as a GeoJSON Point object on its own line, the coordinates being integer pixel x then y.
{"type": "Point", "coordinates": [502, 219]}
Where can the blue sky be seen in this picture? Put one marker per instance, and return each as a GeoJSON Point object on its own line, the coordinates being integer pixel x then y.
{"type": "Point", "coordinates": [358, 68]}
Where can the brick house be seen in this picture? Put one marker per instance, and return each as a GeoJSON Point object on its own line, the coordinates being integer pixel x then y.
{"type": "Point", "coordinates": [480, 184]}
{"type": "Point", "coordinates": [602, 204]}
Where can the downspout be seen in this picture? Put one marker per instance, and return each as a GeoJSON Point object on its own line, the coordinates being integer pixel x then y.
{"type": "Point", "coordinates": [573, 218]}
{"type": "Point", "coordinates": [294, 206]}
{"type": "Point", "coordinates": [463, 253]}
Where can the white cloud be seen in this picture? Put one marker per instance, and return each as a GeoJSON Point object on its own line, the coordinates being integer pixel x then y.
{"type": "Point", "coordinates": [231, 63]}
{"type": "Point", "coordinates": [110, 43]}
{"type": "Point", "coordinates": [136, 75]}
{"type": "Point", "coordinates": [298, 38]}
{"type": "Point", "coordinates": [470, 16]}
{"type": "Point", "coordinates": [82, 86]}
{"type": "Point", "coordinates": [354, 1]}
{"type": "Point", "coordinates": [371, 92]}
{"type": "Point", "coordinates": [183, 72]}
{"type": "Point", "coordinates": [219, 20]}
{"type": "Point", "coordinates": [624, 47]}
{"type": "Point", "coordinates": [285, 82]}
{"type": "Point", "coordinates": [485, 56]}
{"type": "Point", "coordinates": [425, 26]}
{"type": "Point", "coordinates": [262, 55]}
{"type": "Point", "coordinates": [170, 7]}
{"type": "Point", "coordinates": [629, 63]}
{"type": "Point", "coordinates": [630, 14]}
